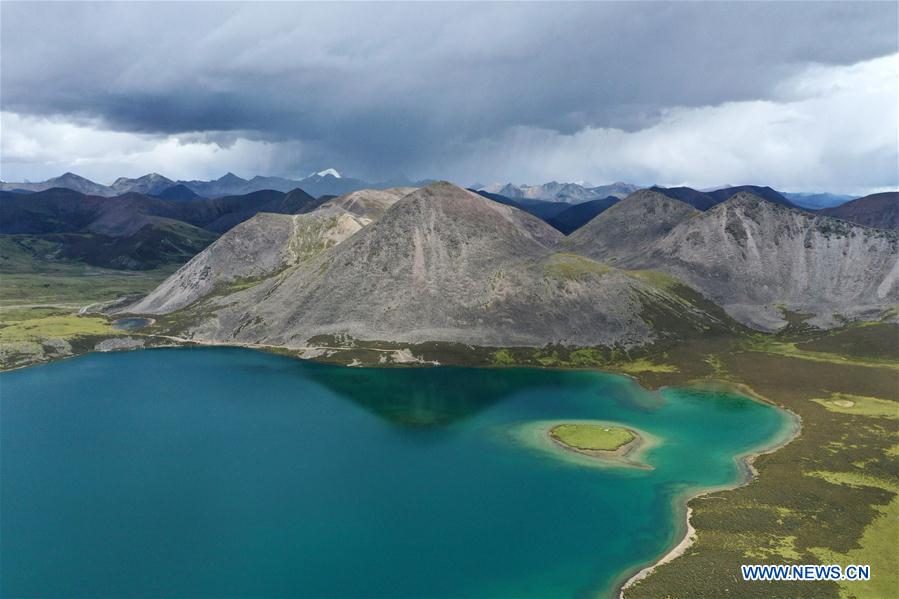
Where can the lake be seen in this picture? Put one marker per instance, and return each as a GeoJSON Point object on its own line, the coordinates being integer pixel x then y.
{"type": "Point", "coordinates": [210, 472]}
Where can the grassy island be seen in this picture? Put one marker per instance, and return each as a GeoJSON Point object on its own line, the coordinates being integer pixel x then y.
{"type": "Point", "coordinates": [592, 437]}
{"type": "Point", "coordinates": [592, 443]}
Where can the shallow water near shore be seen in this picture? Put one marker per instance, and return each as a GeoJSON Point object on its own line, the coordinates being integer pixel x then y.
{"type": "Point", "coordinates": [214, 471]}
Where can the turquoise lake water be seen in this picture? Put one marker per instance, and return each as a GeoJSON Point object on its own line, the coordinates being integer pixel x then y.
{"type": "Point", "coordinates": [226, 472]}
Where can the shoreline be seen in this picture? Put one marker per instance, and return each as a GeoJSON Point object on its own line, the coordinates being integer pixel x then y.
{"type": "Point", "coordinates": [748, 472]}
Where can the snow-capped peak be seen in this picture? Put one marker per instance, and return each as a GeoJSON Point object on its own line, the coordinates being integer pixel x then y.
{"type": "Point", "coordinates": [326, 172]}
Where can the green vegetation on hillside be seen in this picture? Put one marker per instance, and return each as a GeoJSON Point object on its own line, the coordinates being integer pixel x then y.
{"type": "Point", "coordinates": [161, 244]}
{"type": "Point", "coordinates": [572, 266]}
{"type": "Point", "coordinates": [40, 301]}
{"type": "Point", "coordinates": [31, 334]}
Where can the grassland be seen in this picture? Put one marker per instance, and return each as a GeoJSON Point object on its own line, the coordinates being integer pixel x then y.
{"type": "Point", "coordinates": [38, 334]}
{"type": "Point", "coordinates": [40, 301]}
{"type": "Point", "coordinates": [572, 266]}
{"type": "Point", "coordinates": [592, 437]}
{"type": "Point", "coordinates": [829, 496]}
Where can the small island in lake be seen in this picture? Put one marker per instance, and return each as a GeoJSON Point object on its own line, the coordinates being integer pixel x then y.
{"type": "Point", "coordinates": [589, 442]}
{"type": "Point", "coordinates": [592, 438]}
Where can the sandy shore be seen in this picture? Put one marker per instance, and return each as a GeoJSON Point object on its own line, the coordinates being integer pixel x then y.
{"type": "Point", "coordinates": [677, 551]}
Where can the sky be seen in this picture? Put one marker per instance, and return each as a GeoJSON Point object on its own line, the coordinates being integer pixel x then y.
{"type": "Point", "coordinates": [799, 96]}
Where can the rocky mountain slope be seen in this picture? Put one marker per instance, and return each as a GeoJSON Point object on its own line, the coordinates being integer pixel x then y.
{"type": "Point", "coordinates": [880, 210]}
{"type": "Point", "coordinates": [752, 256]}
{"type": "Point", "coordinates": [442, 264]}
{"type": "Point", "coordinates": [630, 226]}
{"type": "Point", "coordinates": [261, 246]}
{"type": "Point", "coordinates": [267, 244]}
{"type": "Point", "coordinates": [369, 204]}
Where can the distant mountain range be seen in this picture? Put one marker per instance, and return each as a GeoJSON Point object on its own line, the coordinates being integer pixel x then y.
{"type": "Point", "coordinates": [65, 181]}
{"type": "Point", "coordinates": [531, 198]}
{"type": "Point", "coordinates": [326, 182]}
{"type": "Point", "coordinates": [570, 193]}
{"type": "Point", "coordinates": [134, 231]}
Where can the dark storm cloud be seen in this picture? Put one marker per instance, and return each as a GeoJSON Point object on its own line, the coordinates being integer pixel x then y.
{"type": "Point", "coordinates": [389, 88]}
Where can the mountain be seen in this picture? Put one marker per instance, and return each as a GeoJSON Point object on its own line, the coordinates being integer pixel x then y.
{"type": "Point", "coordinates": [330, 182]}
{"type": "Point", "coordinates": [227, 184]}
{"type": "Point", "coordinates": [817, 201]}
{"type": "Point", "coordinates": [66, 211]}
{"type": "Point", "coordinates": [157, 242]}
{"type": "Point", "coordinates": [368, 204]}
{"type": "Point", "coordinates": [130, 232]}
{"type": "Point", "coordinates": [178, 193]}
{"type": "Point", "coordinates": [766, 193]}
{"type": "Point", "coordinates": [55, 210]}
{"type": "Point", "coordinates": [571, 193]}
{"type": "Point", "coordinates": [326, 182]}
{"type": "Point", "coordinates": [220, 214]}
{"type": "Point", "coordinates": [879, 210]}
{"type": "Point", "coordinates": [135, 231]}
{"type": "Point", "coordinates": [267, 244]}
{"type": "Point", "coordinates": [151, 184]}
{"type": "Point", "coordinates": [704, 200]}
{"type": "Point", "coordinates": [698, 199]}
{"type": "Point", "coordinates": [441, 264]}
{"type": "Point", "coordinates": [261, 246]}
{"type": "Point", "coordinates": [66, 181]}
{"type": "Point", "coordinates": [630, 226]}
{"type": "Point", "coordinates": [752, 257]}
{"type": "Point", "coordinates": [574, 217]}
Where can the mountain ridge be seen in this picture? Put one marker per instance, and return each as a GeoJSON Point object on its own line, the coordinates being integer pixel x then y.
{"type": "Point", "coordinates": [445, 264]}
